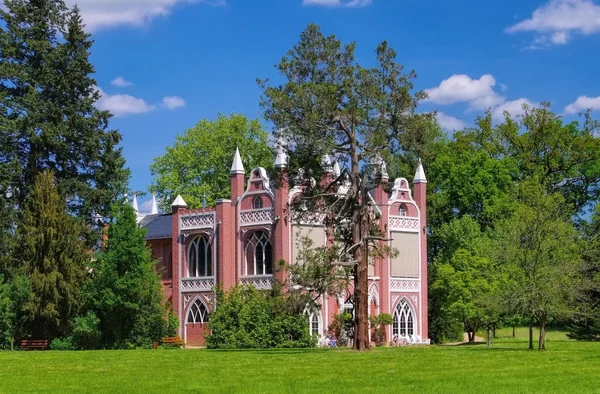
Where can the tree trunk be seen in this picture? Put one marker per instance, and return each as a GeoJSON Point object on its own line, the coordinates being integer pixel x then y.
{"type": "Point", "coordinates": [361, 281]}
{"type": "Point", "coordinates": [542, 342]}
{"type": "Point", "coordinates": [487, 337]}
{"type": "Point", "coordinates": [513, 331]}
{"type": "Point", "coordinates": [494, 332]}
{"type": "Point", "coordinates": [531, 334]}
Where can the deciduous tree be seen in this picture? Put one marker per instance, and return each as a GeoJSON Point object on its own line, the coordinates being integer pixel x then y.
{"type": "Point", "coordinates": [199, 161]}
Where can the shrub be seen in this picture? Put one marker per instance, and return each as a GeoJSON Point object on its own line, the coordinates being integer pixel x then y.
{"type": "Point", "coordinates": [62, 344]}
{"type": "Point", "coordinates": [86, 331]}
{"type": "Point", "coordinates": [249, 318]}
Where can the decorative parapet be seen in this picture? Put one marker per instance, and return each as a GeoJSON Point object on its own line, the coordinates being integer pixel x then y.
{"type": "Point", "coordinates": [261, 282]}
{"type": "Point", "coordinates": [410, 285]}
{"type": "Point", "coordinates": [257, 216]}
{"type": "Point", "coordinates": [190, 221]}
{"type": "Point", "coordinates": [197, 284]}
{"type": "Point", "coordinates": [403, 223]}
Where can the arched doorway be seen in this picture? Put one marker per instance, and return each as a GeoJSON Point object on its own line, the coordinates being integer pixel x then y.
{"type": "Point", "coordinates": [196, 323]}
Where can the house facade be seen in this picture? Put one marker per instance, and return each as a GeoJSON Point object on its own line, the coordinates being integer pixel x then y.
{"type": "Point", "coordinates": [240, 239]}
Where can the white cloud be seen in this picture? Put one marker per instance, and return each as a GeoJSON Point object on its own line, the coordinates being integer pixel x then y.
{"type": "Point", "coordinates": [338, 3]}
{"type": "Point", "coordinates": [514, 108]}
{"type": "Point", "coordinates": [172, 102]}
{"type": "Point", "coordinates": [557, 19]}
{"type": "Point", "coordinates": [450, 123]}
{"type": "Point", "coordinates": [583, 103]}
{"type": "Point", "coordinates": [479, 93]}
{"type": "Point", "coordinates": [99, 14]}
{"type": "Point", "coordinates": [122, 105]}
{"type": "Point", "coordinates": [121, 82]}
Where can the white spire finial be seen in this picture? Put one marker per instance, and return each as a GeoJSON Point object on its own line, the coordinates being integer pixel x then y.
{"type": "Point", "coordinates": [154, 209]}
{"type": "Point", "coordinates": [179, 202]}
{"type": "Point", "coordinates": [336, 169]}
{"type": "Point", "coordinates": [420, 174]}
{"type": "Point", "coordinates": [134, 203]}
{"type": "Point", "coordinates": [281, 157]}
{"type": "Point", "coordinates": [237, 167]}
{"type": "Point", "coordinates": [326, 163]}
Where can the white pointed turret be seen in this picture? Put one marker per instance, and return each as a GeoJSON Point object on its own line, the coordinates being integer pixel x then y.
{"type": "Point", "coordinates": [179, 202]}
{"type": "Point", "coordinates": [420, 174]}
{"type": "Point", "coordinates": [237, 167]}
{"type": "Point", "coordinates": [379, 166]}
{"type": "Point", "coordinates": [336, 169]}
{"type": "Point", "coordinates": [134, 203]}
{"type": "Point", "coordinates": [154, 209]}
{"type": "Point", "coordinates": [281, 157]}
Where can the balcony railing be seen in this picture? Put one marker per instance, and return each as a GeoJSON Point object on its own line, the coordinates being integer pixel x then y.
{"type": "Point", "coordinates": [254, 216]}
{"type": "Point", "coordinates": [411, 285]}
{"type": "Point", "coordinates": [404, 223]}
{"type": "Point", "coordinates": [260, 282]}
{"type": "Point", "coordinates": [197, 284]}
{"type": "Point", "coordinates": [197, 220]}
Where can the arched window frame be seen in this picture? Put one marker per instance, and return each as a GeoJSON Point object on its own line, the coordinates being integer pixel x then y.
{"type": "Point", "coordinates": [402, 210]}
{"type": "Point", "coordinates": [197, 313]}
{"type": "Point", "coordinates": [404, 319]}
{"type": "Point", "coordinates": [199, 258]}
{"type": "Point", "coordinates": [257, 203]}
{"type": "Point", "coordinates": [261, 249]}
{"type": "Point", "coordinates": [314, 324]}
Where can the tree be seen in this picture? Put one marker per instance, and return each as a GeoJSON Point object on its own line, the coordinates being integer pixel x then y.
{"type": "Point", "coordinates": [125, 291]}
{"type": "Point", "coordinates": [328, 105]}
{"type": "Point", "coordinates": [539, 246]}
{"type": "Point", "coordinates": [51, 252]}
{"type": "Point", "coordinates": [15, 297]}
{"type": "Point", "coordinates": [586, 322]}
{"type": "Point", "coordinates": [48, 117]}
{"type": "Point", "coordinates": [199, 161]}
{"type": "Point", "coordinates": [563, 158]}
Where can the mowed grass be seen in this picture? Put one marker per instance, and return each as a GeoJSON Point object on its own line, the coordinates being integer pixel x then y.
{"type": "Point", "coordinates": [567, 366]}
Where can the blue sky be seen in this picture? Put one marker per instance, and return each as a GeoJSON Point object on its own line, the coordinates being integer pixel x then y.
{"type": "Point", "coordinates": [162, 65]}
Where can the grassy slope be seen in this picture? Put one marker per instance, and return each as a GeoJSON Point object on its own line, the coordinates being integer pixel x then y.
{"type": "Point", "coordinates": [566, 367]}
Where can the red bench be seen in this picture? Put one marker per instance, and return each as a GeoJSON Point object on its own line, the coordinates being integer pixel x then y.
{"type": "Point", "coordinates": [31, 344]}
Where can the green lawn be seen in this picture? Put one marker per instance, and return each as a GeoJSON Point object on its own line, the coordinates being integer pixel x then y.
{"type": "Point", "coordinates": [567, 366]}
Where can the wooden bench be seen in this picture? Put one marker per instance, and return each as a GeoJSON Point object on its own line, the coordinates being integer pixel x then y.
{"type": "Point", "coordinates": [31, 344]}
{"type": "Point", "coordinates": [173, 341]}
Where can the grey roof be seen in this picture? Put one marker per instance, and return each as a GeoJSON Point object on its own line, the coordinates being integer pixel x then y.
{"type": "Point", "coordinates": [158, 226]}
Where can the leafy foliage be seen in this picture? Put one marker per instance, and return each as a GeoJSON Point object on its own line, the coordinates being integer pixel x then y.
{"type": "Point", "coordinates": [199, 161]}
{"type": "Point", "coordinates": [125, 291]}
{"type": "Point", "coordinates": [251, 319]}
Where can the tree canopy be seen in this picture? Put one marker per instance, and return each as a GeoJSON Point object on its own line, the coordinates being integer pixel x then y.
{"type": "Point", "coordinates": [199, 161]}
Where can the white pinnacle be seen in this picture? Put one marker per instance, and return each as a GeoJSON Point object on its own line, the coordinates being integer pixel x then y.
{"type": "Point", "coordinates": [420, 174]}
{"type": "Point", "coordinates": [179, 202]}
{"type": "Point", "coordinates": [237, 167]}
{"type": "Point", "coordinates": [134, 203]}
{"type": "Point", "coordinates": [154, 209]}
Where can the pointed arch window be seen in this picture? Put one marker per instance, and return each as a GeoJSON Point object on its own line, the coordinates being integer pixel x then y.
{"type": "Point", "coordinates": [259, 254]}
{"type": "Point", "coordinates": [198, 313]}
{"type": "Point", "coordinates": [315, 324]}
{"type": "Point", "coordinates": [199, 258]}
{"type": "Point", "coordinates": [402, 210]}
{"type": "Point", "coordinates": [257, 203]}
{"type": "Point", "coordinates": [404, 319]}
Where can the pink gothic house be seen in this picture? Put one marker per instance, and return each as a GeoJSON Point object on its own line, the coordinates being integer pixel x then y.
{"type": "Point", "coordinates": [239, 240]}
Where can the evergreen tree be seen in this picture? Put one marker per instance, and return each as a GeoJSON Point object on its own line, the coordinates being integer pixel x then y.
{"type": "Point", "coordinates": [125, 291]}
{"type": "Point", "coordinates": [47, 110]}
{"type": "Point", "coordinates": [51, 252]}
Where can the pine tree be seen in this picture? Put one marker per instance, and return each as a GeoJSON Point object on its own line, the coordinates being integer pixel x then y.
{"type": "Point", "coordinates": [51, 252]}
{"type": "Point", "coordinates": [126, 293]}
{"type": "Point", "coordinates": [47, 110]}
